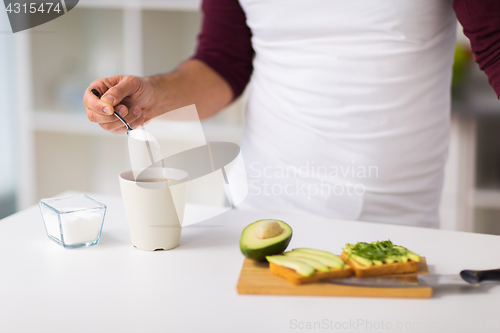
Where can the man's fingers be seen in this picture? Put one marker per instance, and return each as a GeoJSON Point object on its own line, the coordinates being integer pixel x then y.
{"type": "Point", "coordinates": [122, 110]}
{"type": "Point", "coordinates": [120, 130]}
{"type": "Point", "coordinates": [116, 92]}
{"type": "Point", "coordinates": [139, 121]}
{"type": "Point", "coordinates": [130, 117]}
{"type": "Point", "coordinates": [95, 104]}
{"type": "Point", "coordinates": [134, 124]}
{"type": "Point", "coordinates": [127, 86]}
{"type": "Point", "coordinates": [95, 117]}
{"type": "Point", "coordinates": [112, 127]}
{"type": "Point", "coordinates": [99, 118]}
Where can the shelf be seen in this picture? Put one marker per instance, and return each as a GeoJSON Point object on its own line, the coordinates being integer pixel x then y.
{"type": "Point", "coordinates": [65, 122]}
{"type": "Point", "coordinates": [151, 42]}
{"type": "Point", "coordinates": [69, 56]}
{"type": "Point", "coordinates": [183, 5]}
{"type": "Point", "coordinates": [168, 38]}
{"type": "Point", "coordinates": [57, 62]}
{"type": "Point", "coordinates": [487, 199]}
{"type": "Point", "coordinates": [77, 123]}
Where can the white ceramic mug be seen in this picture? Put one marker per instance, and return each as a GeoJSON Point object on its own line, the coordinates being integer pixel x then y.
{"type": "Point", "coordinates": [154, 209]}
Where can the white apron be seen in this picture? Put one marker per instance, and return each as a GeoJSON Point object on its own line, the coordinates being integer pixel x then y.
{"type": "Point", "coordinates": [348, 109]}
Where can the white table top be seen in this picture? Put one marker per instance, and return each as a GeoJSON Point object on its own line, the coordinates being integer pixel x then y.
{"type": "Point", "coordinates": [113, 287]}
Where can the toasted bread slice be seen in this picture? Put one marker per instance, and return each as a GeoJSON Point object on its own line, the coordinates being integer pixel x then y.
{"type": "Point", "coordinates": [386, 269]}
{"type": "Point", "coordinates": [296, 278]}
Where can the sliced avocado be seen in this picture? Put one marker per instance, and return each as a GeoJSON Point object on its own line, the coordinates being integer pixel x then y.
{"type": "Point", "coordinates": [360, 260]}
{"type": "Point", "coordinates": [318, 252]}
{"type": "Point", "coordinates": [413, 256]}
{"type": "Point", "coordinates": [323, 254]}
{"type": "Point", "coordinates": [394, 258]}
{"type": "Point", "coordinates": [313, 263]}
{"type": "Point", "coordinates": [328, 261]}
{"type": "Point", "coordinates": [257, 248]}
{"type": "Point", "coordinates": [377, 262]}
{"type": "Point", "coordinates": [297, 265]}
{"type": "Point", "coordinates": [389, 260]}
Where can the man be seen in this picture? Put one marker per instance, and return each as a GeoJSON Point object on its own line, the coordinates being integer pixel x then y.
{"type": "Point", "coordinates": [348, 109]}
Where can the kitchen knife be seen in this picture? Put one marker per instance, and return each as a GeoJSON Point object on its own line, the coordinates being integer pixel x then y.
{"type": "Point", "coordinates": [465, 278]}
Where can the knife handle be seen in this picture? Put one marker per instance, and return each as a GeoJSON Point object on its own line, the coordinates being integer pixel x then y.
{"type": "Point", "coordinates": [480, 276]}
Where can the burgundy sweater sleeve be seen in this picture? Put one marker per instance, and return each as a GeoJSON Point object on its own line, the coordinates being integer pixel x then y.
{"type": "Point", "coordinates": [224, 42]}
{"type": "Point", "coordinates": [481, 22]}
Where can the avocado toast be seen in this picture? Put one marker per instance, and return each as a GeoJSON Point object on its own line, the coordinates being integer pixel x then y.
{"type": "Point", "coordinates": [380, 258]}
{"type": "Point", "coordinates": [308, 265]}
{"type": "Point", "coordinates": [269, 238]}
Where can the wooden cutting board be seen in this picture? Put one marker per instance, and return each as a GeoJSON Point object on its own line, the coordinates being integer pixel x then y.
{"type": "Point", "coordinates": [257, 279]}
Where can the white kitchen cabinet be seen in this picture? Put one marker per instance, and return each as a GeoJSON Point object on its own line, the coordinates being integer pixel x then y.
{"type": "Point", "coordinates": [59, 148]}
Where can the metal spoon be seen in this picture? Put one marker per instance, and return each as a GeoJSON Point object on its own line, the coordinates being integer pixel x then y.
{"type": "Point", "coordinates": [98, 95]}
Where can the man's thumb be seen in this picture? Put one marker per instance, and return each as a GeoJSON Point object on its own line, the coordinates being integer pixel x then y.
{"type": "Point", "coordinates": [115, 94]}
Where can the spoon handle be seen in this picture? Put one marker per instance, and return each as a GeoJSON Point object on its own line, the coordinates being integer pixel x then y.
{"type": "Point", "coordinates": [98, 95]}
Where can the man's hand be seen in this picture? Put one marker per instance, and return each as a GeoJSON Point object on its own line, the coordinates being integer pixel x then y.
{"type": "Point", "coordinates": [132, 97]}
{"type": "Point", "coordinates": [138, 100]}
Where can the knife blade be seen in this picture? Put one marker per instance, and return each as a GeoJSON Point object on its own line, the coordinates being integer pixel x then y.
{"type": "Point", "coordinates": [465, 278]}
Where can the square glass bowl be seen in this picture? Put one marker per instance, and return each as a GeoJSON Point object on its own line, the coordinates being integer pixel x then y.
{"type": "Point", "coordinates": [74, 221]}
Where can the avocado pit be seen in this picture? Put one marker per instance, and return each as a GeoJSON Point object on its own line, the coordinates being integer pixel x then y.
{"type": "Point", "coordinates": [268, 229]}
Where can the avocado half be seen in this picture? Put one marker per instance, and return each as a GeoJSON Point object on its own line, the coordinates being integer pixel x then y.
{"type": "Point", "coordinates": [257, 249]}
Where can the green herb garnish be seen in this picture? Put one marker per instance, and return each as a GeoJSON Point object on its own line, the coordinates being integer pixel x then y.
{"type": "Point", "coordinates": [377, 250]}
